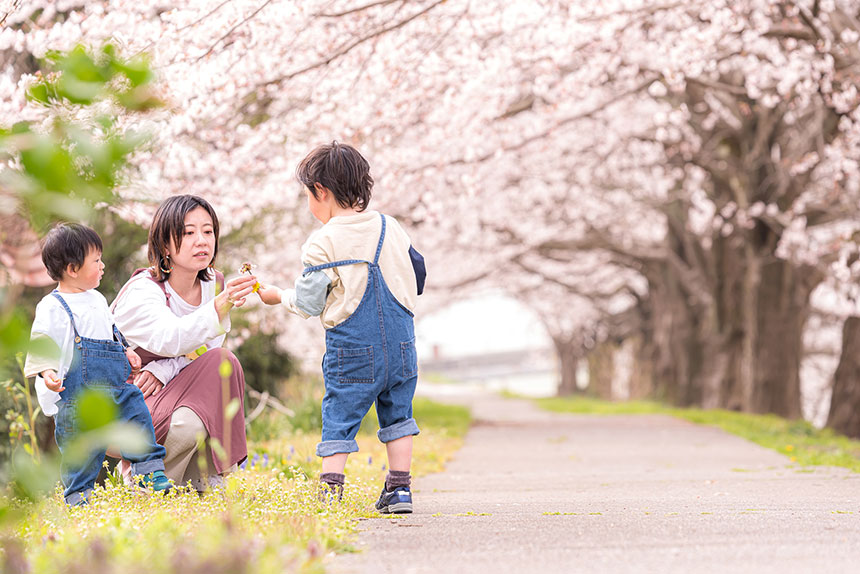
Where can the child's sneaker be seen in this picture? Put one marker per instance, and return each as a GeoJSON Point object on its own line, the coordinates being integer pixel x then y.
{"type": "Point", "coordinates": [158, 480]}
{"type": "Point", "coordinates": [397, 501]}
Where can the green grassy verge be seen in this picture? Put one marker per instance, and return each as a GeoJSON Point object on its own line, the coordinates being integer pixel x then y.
{"type": "Point", "coordinates": [799, 440]}
{"type": "Point", "coordinates": [268, 519]}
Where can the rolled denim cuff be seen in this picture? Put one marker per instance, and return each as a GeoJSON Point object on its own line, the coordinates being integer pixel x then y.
{"type": "Point", "coordinates": [398, 430]}
{"type": "Point", "coordinates": [330, 447]}
{"type": "Point", "coordinates": [76, 498]}
{"type": "Point", "coordinates": [146, 466]}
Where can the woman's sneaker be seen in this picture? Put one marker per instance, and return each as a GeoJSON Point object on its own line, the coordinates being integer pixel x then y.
{"type": "Point", "coordinates": [397, 501]}
{"type": "Point", "coordinates": [157, 480]}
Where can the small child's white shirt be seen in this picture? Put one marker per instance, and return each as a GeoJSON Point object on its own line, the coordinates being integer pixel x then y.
{"type": "Point", "coordinates": [93, 320]}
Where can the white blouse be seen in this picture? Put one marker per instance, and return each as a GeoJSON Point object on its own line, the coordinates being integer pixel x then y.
{"type": "Point", "coordinates": [168, 328]}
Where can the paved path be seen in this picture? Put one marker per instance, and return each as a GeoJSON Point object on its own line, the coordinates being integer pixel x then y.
{"type": "Point", "coordinates": [532, 491]}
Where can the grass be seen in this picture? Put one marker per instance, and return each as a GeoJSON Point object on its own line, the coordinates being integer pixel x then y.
{"type": "Point", "coordinates": [268, 519]}
{"type": "Point", "coordinates": [799, 440]}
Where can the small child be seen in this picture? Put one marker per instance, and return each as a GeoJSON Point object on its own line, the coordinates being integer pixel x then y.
{"type": "Point", "coordinates": [75, 320]}
{"type": "Point", "coordinates": [362, 277]}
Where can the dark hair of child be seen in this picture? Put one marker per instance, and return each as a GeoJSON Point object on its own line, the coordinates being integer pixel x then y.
{"type": "Point", "coordinates": [168, 225]}
{"type": "Point", "coordinates": [340, 169]}
{"type": "Point", "coordinates": [68, 244]}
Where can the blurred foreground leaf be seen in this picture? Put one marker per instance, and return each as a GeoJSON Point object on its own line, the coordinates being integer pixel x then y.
{"type": "Point", "coordinates": [95, 409]}
{"type": "Point", "coordinates": [123, 436]}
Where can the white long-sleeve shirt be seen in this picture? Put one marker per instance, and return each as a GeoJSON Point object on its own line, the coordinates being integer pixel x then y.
{"type": "Point", "coordinates": [167, 328]}
{"type": "Point", "coordinates": [93, 320]}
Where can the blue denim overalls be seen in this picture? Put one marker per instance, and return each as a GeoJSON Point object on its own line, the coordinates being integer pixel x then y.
{"type": "Point", "coordinates": [100, 364]}
{"type": "Point", "coordinates": [369, 357]}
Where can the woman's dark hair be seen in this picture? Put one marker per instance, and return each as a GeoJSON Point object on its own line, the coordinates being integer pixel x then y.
{"type": "Point", "coordinates": [340, 169]}
{"type": "Point", "coordinates": [68, 244]}
{"type": "Point", "coordinates": [169, 225]}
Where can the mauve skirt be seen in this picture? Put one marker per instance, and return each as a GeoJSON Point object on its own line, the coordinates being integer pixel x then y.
{"type": "Point", "coordinates": [199, 387]}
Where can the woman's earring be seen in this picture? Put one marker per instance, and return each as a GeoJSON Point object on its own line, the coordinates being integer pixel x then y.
{"type": "Point", "coordinates": [162, 264]}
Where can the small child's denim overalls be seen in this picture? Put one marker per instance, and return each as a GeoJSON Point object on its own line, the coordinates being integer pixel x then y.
{"type": "Point", "coordinates": [100, 364]}
{"type": "Point", "coordinates": [369, 357]}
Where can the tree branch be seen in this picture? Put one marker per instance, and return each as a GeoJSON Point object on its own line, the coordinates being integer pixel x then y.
{"type": "Point", "coordinates": [538, 136]}
{"type": "Point", "coordinates": [11, 9]}
{"type": "Point", "coordinates": [645, 11]}
{"type": "Point", "coordinates": [231, 30]}
{"type": "Point", "coordinates": [212, 11]}
{"type": "Point", "coordinates": [349, 46]}
{"type": "Point", "coordinates": [357, 9]}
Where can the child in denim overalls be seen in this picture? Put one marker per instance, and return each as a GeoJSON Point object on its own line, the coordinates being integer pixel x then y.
{"type": "Point", "coordinates": [361, 277]}
{"type": "Point", "coordinates": [90, 353]}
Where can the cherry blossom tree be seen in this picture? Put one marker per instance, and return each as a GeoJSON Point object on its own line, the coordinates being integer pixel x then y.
{"type": "Point", "coordinates": [706, 152]}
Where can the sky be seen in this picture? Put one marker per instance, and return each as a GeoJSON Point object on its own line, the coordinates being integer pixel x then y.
{"type": "Point", "coordinates": [489, 323]}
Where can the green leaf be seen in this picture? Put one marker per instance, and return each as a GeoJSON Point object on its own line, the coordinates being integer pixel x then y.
{"type": "Point", "coordinates": [21, 128]}
{"type": "Point", "coordinates": [44, 347]}
{"type": "Point", "coordinates": [231, 409]}
{"type": "Point", "coordinates": [14, 332]}
{"type": "Point", "coordinates": [225, 369]}
{"type": "Point", "coordinates": [123, 436]}
{"type": "Point", "coordinates": [49, 163]}
{"type": "Point", "coordinates": [139, 99]}
{"type": "Point", "coordinates": [39, 93]}
{"type": "Point", "coordinates": [216, 447]}
{"type": "Point", "coordinates": [136, 70]}
{"type": "Point", "coordinates": [9, 515]}
{"type": "Point", "coordinates": [95, 410]}
{"type": "Point", "coordinates": [79, 66]}
{"type": "Point", "coordinates": [79, 91]}
{"type": "Point", "coordinates": [32, 479]}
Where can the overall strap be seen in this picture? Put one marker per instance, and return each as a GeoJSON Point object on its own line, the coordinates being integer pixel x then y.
{"type": "Point", "coordinates": [69, 311]}
{"type": "Point", "coordinates": [119, 337]}
{"type": "Point", "coordinates": [381, 239]}
{"type": "Point", "coordinates": [313, 268]}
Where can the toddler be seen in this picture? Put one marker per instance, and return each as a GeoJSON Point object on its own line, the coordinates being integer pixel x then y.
{"type": "Point", "coordinates": [362, 277]}
{"type": "Point", "coordinates": [90, 352]}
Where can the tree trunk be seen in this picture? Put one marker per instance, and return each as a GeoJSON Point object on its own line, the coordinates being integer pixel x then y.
{"type": "Point", "coordinates": [601, 370]}
{"type": "Point", "coordinates": [568, 357]}
{"type": "Point", "coordinates": [687, 349]}
{"type": "Point", "coordinates": [738, 346]}
{"type": "Point", "coordinates": [844, 414]}
{"type": "Point", "coordinates": [642, 377]}
{"type": "Point", "coordinates": [783, 306]}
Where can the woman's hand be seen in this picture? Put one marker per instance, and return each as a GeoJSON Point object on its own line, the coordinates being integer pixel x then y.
{"type": "Point", "coordinates": [148, 383]}
{"type": "Point", "coordinates": [269, 294]}
{"type": "Point", "coordinates": [234, 294]}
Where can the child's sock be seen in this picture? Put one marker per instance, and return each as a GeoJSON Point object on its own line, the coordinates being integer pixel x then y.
{"type": "Point", "coordinates": [397, 478]}
{"type": "Point", "coordinates": [334, 481]}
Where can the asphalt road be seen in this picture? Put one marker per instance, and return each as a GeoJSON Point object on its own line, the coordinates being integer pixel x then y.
{"type": "Point", "coordinates": [532, 491]}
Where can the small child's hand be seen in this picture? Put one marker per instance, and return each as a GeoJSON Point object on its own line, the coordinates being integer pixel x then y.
{"type": "Point", "coordinates": [269, 294]}
{"type": "Point", "coordinates": [52, 381]}
{"type": "Point", "coordinates": [134, 361]}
